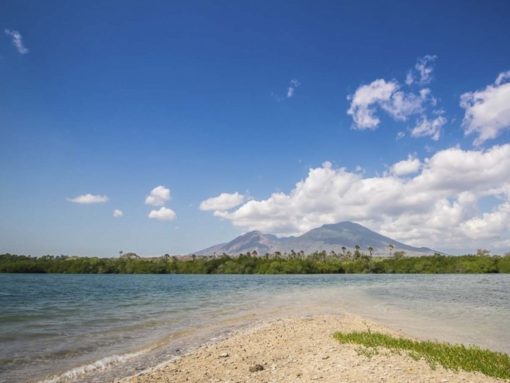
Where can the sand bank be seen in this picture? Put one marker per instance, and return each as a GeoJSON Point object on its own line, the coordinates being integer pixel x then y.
{"type": "Point", "coordinates": [298, 350]}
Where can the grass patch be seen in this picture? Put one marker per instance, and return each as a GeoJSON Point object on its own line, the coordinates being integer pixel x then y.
{"type": "Point", "coordinates": [451, 356]}
{"type": "Point", "coordinates": [367, 352]}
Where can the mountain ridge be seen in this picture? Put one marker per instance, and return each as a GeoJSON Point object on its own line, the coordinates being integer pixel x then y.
{"type": "Point", "coordinates": [328, 237]}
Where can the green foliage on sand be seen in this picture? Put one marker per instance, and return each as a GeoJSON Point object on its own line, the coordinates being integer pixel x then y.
{"type": "Point", "coordinates": [317, 263]}
{"type": "Point", "coordinates": [451, 356]}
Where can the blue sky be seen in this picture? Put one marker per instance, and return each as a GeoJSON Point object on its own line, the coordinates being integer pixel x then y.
{"type": "Point", "coordinates": [117, 98]}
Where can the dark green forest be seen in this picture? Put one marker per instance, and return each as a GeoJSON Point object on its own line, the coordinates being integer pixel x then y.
{"type": "Point", "coordinates": [316, 263]}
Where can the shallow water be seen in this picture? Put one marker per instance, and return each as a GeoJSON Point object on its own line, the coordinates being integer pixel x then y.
{"type": "Point", "coordinates": [86, 328]}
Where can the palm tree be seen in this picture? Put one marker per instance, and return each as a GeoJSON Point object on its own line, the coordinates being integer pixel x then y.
{"type": "Point", "coordinates": [370, 250]}
{"type": "Point", "coordinates": [391, 247]}
{"type": "Point", "coordinates": [357, 254]}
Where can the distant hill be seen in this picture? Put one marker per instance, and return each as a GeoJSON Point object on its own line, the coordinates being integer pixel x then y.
{"type": "Point", "coordinates": [327, 237]}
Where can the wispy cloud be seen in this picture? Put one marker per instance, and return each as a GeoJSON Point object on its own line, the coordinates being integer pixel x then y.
{"type": "Point", "coordinates": [17, 41]}
{"type": "Point", "coordinates": [422, 71]}
{"type": "Point", "coordinates": [293, 85]}
{"type": "Point", "coordinates": [291, 91]}
{"type": "Point", "coordinates": [88, 198]}
{"type": "Point", "coordinates": [429, 127]}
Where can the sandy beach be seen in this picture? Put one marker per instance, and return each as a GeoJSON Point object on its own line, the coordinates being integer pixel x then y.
{"type": "Point", "coordinates": [299, 349]}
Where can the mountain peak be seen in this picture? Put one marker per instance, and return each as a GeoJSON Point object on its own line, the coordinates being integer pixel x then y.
{"type": "Point", "coordinates": [328, 237]}
{"type": "Point", "coordinates": [253, 233]}
{"type": "Point", "coordinates": [341, 224]}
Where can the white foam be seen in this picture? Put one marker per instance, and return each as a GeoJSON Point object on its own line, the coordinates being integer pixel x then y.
{"type": "Point", "coordinates": [99, 365]}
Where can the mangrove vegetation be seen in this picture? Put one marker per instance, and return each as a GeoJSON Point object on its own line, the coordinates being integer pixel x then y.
{"type": "Point", "coordinates": [252, 263]}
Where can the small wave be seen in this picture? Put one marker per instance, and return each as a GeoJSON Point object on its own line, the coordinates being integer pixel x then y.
{"type": "Point", "coordinates": [99, 365]}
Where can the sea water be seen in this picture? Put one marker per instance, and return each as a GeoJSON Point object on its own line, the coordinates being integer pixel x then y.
{"type": "Point", "coordinates": [94, 328]}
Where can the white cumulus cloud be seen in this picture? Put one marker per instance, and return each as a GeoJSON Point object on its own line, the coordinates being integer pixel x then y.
{"type": "Point", "coordinates": [487, 111]}
{"type": "Point", "coordinates": [387, 96]}
{"type": "Point", "coordinates": [89, 199]}
{"type": "Point", "coordinates": [17, 41]}
{"type": "Point", "coordinates": [162, 214]}
{"type": "Point", "coordinates": [438, 204]}
{"type": "Point", "coordinates": [366, 99]}
{"type": "Point", "coordinates": [406, 167]}
{"type": "Point", "coordinates": [224, 201]}
{"type": "Point", "coordinates": [489, 225]}
{"type": "Point", "coordinates": [118, 213]}
{"type": "Point", "coordinates": [400, 102]}
{"type": "Point", "coordinates": [158, 196]}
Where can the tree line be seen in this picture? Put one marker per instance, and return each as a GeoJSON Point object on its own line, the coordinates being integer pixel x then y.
{"type": "Point", "coordinates": [252, 263]}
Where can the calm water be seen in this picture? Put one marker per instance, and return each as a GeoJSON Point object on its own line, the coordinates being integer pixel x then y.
{"type": "Point", "coordinates": [87, 328]}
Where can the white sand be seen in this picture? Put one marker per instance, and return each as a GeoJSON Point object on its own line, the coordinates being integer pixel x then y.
{"type": "Point", "coordinates": [298, 350]}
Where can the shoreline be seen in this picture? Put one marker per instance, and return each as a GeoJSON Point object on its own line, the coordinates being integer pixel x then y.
{"type": "Point", "coordinates": [298, 349]}
{"type": "Point", "coordinates": [175, 316]}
